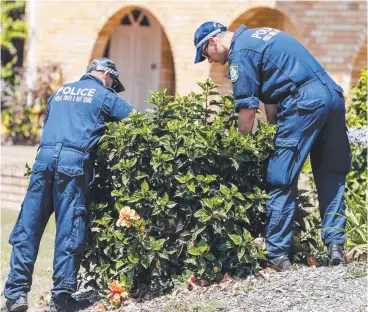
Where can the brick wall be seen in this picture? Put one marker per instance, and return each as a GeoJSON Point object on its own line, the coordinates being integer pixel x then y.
{"type": "Point", "coordinates": [333, 31]}
{"type": "Point", "coordinates": [77, 31]}
{"type": "Point", "coordinates": [13, 182]}
{"type": "Point", "coordinates": [359, 63]}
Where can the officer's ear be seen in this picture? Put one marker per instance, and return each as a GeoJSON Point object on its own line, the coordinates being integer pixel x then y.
{"type": "Point", "coordinates": [105, 74]}
{"type": "Point", "coordinates": [104, 78]}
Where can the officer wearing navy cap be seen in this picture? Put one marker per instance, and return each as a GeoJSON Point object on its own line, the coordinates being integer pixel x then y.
{"type": "Point", "coordinates": [269, 65]}
{"type": "Point", "coordinates": [62, 172]}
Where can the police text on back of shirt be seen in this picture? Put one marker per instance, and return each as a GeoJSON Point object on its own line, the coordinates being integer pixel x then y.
{"type": "Point", "coordinates": [265, 33]}
{"type": "Point", "coordinates": [84, 95]}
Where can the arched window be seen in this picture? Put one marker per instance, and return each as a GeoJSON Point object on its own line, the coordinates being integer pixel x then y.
{"type": "Point", "coordinates": [136, 17]}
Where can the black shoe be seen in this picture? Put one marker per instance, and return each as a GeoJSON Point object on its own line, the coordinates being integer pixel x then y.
{"type": "Point", "coordinates": [281, 263]}
{"type": "Point", "coordinates": [68, 305]}
{"type": "Point", "coordinates": [16, 305]}
{"type": "Point", "coordinates": [336, 254]}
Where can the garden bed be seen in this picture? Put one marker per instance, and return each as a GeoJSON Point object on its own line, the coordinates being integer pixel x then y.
{"type": "Point", "coordinates": [341, 288]}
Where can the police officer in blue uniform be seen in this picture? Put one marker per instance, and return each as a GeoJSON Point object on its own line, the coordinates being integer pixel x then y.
{"type": "Point", "coordinates": [62, 172]}
{"type": "Point", "coordinates": [269, 65]}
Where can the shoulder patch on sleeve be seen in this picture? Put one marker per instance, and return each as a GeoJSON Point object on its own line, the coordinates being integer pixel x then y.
{"type": "Point", "coordinates": [233, 73]}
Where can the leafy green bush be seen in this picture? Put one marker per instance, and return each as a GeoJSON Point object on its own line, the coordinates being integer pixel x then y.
{"type": "Point", "coordinates": [178, 193]}
{"type": "Point", "coordinates": [356, 194]}
{"type": "Point", "coordinates": [357, 117]}
{"type": "Point", "coordinates": [22, 123]}
{"type": "Point", "coordinates": [356, 226]}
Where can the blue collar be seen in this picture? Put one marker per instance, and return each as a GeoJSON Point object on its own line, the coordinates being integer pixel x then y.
{"type": "Point", "coordinates": [87, 76]}
{"type": "Point", "coordinates": [237, 33]}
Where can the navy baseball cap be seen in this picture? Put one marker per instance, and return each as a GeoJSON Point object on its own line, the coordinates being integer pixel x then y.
{"type": "Point", "coordinates": [105, 64]}
{"type": "Point", "coordinates": [201, 36]}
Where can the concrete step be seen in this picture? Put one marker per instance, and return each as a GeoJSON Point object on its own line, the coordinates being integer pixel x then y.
{"type": "Point", "coordinates": [13, 189]}
{"type": "Point", "coordinates": [13, 171]}
{"type": "Point", "coordinates": [16, 181]}
{"type": "Point", "coordinates": [8, 204]}
{"type": "Point", "coordinates": [13, 197]}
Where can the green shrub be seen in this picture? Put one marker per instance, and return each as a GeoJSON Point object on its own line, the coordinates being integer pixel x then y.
{"type": "Point", "coordinates": [356, 226]}
{"type": "Point", "coordinates": [357, 118]}
{"type": "Point", "coordinates": [357, 111]}
{"type": "Point", "coordinates": [188, 188]}
{"type": "Point", "coordinates": [356, 194]}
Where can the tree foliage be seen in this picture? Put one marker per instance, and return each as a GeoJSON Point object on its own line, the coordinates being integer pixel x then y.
{"type": "Point", "coordinates": [11, 28]}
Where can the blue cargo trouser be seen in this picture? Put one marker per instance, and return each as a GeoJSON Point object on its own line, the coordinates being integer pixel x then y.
{"type": "Point", "coordinates": [59, 182]}
{"type": "Point", "coordinates": [311, 120]}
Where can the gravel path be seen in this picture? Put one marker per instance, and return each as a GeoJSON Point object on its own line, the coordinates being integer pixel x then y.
{"type": "Point", "coordinates": [342, 288]}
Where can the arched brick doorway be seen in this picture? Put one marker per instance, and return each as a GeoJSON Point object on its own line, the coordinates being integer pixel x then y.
{"type": "Point", "coordinates": [254, 18]}
{"type": "Point", "coordinates": [137, 43]}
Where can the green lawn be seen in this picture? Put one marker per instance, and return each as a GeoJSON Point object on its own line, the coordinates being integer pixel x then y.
{"type": "Point", "coordinates": [42, 276]}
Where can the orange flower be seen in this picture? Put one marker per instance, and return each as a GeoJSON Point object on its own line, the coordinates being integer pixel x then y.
{"type": "Point", "coordinates": [124, 295]}
{"type": "Point", "coordinates": [122, 223]}
{"type": "Point", "coordinates": [116, 287]}
{"type": "Point", "coordinates": [115, 298]}
{"type": "Point", "coordinates": [100, 308]}
{"type": "Point", "coordinates": [312, 261]}
{"type": "Point", "coordinates": [215, 269]}
{"type": "Point", "coordinates": [117, 292]}
{"type": "Point", "coordinates": [127, 214]}
{"type": "Point", "coordinates": [142, 229]}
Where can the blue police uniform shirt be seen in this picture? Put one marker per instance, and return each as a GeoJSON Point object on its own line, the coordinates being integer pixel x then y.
{"type": "Point", "coordinates": [77, 112]}
{"type": "Point", "coordinates": [266, 64]}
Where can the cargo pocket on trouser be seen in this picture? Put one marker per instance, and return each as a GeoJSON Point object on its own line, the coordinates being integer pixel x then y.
{"type": "Point", "coordinates": [280, 167]}
{"type": "Point", "coordinates": [71, 171]}
{"type": "Point", "coordinates": [79, 230]}
{"type": "Point", "coordinates": [71, 182]}
{"type": "Point", "coordinates": [310, 116]}
{"type": "Point", "coordinates": [310, 104]}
